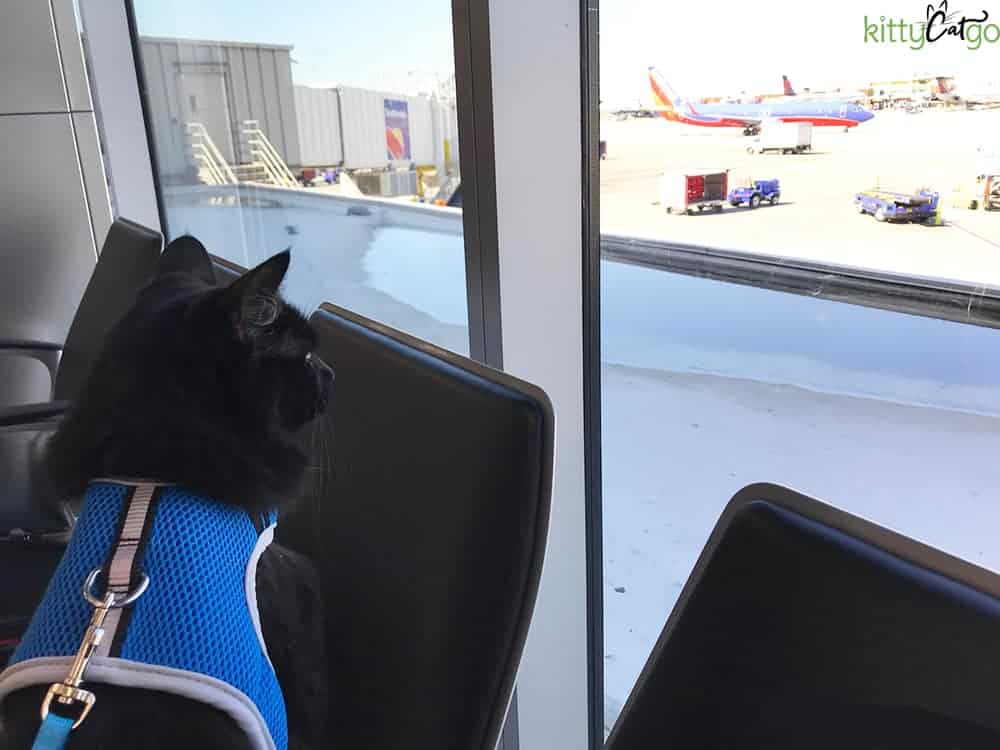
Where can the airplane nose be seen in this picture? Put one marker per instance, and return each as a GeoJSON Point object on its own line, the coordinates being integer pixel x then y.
{"type": "Point", "coordinates": [866, 115]}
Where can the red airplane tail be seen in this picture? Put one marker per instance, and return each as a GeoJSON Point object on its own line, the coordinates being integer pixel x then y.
{"type": "Point", "coordinates": [789, 91]}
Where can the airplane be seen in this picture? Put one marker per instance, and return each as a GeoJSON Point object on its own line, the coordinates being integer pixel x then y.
{"type": "Point", "coordinates": [843, 113]}
{"type": "Point", "coordinates": [755, 98]}
{"type": "Point", "coordinates": [856, 96]}
{"type": "Point", "coordinates": [807, 94]}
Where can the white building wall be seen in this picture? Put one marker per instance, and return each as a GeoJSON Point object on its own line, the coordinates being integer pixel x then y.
{"type": "Point", "coordinates": [220, 85]}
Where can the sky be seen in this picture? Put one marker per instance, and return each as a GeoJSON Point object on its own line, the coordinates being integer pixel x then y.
{"type": "Point", "coordinates": [718, 48]}
{"type": "Point", "coordinates": [366, 43]}
{"type": "Point", "coordinates": [726, 47]}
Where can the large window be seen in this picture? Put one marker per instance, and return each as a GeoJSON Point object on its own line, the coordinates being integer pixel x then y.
{"type": "Point", "coordinates": [327, 130]}
{"type": "Point", "coordinates": [833, 342]}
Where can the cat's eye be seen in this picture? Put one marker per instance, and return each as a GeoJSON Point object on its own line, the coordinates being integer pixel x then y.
{"type": "Point", "coordinates": [261, 310]}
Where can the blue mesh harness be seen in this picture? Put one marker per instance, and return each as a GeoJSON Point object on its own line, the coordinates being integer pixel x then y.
{"type": "Point", "coordinates": [194, 629]}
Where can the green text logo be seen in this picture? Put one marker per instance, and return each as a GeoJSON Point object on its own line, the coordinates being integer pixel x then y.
{"type": "Point", "coordinates": [939, 24]}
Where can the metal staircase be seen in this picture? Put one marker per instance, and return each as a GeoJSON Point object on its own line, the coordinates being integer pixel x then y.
{"type": "Point", "coordinates": [263, 158]}
{"type": "Point", "coordinates": [261, 161]}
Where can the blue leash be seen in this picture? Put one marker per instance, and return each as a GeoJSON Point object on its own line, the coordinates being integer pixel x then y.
{"type": "Point", "coordinates": [53, 733]}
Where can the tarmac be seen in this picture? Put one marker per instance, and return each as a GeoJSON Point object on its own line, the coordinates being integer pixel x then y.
{"type": "Point", "coordinates": [816, 219]}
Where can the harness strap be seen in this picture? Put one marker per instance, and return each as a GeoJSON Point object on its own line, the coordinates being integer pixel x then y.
{"type": "Point", "coordinates": [120, 570]}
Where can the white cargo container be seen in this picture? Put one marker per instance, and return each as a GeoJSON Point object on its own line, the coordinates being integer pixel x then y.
{"type": "Point", "coordinates": [318, 115]}
{"type": "Point", "coordinates": [783, 137]}
{"type": "Point", "coordinates": [363, 117]}
{"type": "Point", "coordinates": [349, 126]}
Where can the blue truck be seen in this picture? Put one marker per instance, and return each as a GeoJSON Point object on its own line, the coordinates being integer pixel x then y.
{"type": "Point", "coordinates": [884, 205]}
{"type": "Point", "coordinates": [756, 193]}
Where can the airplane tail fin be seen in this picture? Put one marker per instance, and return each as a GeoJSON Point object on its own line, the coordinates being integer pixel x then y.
{"type": "Point", "coordinates": [945, 86]}
{"type": "Point", "coordinates": [665, 98]}
{"type": "Point", "coordinates": [789, 91]}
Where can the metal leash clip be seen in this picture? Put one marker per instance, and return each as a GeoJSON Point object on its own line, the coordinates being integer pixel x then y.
{"type": "Point", "coordinates": [69, 691]}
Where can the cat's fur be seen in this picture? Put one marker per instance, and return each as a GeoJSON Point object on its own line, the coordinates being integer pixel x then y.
{"type": "Point", "coordinates": [210, 388]}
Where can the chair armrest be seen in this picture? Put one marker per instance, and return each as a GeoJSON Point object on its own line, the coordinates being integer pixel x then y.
{"type": "Point", "coordinates": [45, 352]}
{"type": "Point", "coordinates": [14, 418]}
{"type": "Point", "coordinates": [28, 501]}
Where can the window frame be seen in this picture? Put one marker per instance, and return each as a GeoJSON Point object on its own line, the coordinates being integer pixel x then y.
{"type": "Point", "coordinates": [474, 92]}
{"type": "Point", "coordinates": [939, 299]}
{"type": "Point", "coordinates": [545, 134]}
{"type": "Point", "coordinates": [119, 106]}
{"type": "Point", "coordinates": [590, 118]}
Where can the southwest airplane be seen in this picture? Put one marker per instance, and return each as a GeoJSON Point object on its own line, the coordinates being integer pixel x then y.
{"type": "Point", "coordinates": [822, 113]}
{"type": "Point", "coordinates": [741, 97]}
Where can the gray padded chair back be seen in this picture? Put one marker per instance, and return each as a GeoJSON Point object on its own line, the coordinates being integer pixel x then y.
{"type": "Point", "coordinates": [429, 532]}
{"type": "Point", "coordinates": [802, 626]}
{"type": "Point", "coordinates": [128, 259]}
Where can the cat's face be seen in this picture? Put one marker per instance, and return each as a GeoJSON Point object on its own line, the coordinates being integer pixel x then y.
{"type": "Point", "coordinates": [200, 384]}
{"type": "Point", "coordinates": [262, 348]}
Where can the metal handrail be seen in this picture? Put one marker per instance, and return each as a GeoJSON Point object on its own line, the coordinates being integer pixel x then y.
{"type": "Point", "coordinates": [266, 156]}
{"type": "Point", "coordinates": [207, 164]}
{"type": "Point", "coordinates": [208, 153]}
{"type": "Point", "coordinates": [265, 161]}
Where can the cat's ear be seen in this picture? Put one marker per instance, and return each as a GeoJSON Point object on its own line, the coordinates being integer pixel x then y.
{"type": "Point", "coordinates": [251, 292]}
{"type": "Point", "coordinates": [186, 255]}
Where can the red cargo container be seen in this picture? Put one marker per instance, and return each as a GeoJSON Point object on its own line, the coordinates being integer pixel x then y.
{"type": "Point", "coordinates": [694, 189]}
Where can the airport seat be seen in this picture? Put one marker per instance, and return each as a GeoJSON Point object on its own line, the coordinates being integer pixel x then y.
{"type": "Point", "coordinates": [126, 263]}
{"type": "Point", "coordinates": [426, 518]}
{"type": "Point", "coordinates": [26, 565]}
{"type": "Point", "coordinates": [427, 525]}
{"type": "Point", "coordinates": [802, 626]}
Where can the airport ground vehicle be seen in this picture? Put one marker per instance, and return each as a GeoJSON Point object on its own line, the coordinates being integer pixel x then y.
{"type": "Point", "coordinates": [694, 189]}
{"type": "Point", "coordinates": [884, 205]}
{"type": "Point", "coordinates": [755, 193]}
{"type": "Point", "coordinates": [991, 192]}
{"type": "Point", "coordinates": [782, 137]}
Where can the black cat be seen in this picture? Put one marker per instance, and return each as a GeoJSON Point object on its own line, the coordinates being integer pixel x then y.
{"type": "Point", "coordinates": [210, 388]}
